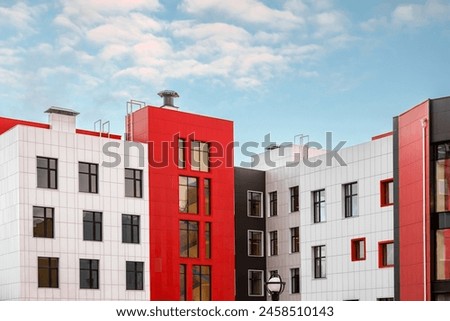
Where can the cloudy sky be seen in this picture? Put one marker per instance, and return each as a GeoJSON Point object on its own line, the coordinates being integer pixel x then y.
{"type": "Point", "coordinates": [283, 67]}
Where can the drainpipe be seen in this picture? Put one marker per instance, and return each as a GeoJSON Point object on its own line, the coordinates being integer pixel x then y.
{"type": "Point", "coordinates": [424, 209]}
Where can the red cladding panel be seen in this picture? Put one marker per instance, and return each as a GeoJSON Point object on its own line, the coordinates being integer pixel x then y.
{"type": "Point", "coordinates": [411, 202]}
{"type": "Point", "coordinates": [161, 128]}
{"type": "Point", "coordinates": [8, 123]}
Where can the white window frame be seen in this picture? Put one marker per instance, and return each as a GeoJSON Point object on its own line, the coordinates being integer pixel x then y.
{"type": "Point", "coordinates": [248, 243]}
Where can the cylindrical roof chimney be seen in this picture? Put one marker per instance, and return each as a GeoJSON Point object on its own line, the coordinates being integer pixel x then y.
{"type": "Point", "coordinates": [168, 98]}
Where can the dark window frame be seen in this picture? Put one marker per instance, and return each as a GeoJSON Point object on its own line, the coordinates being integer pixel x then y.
{"type": "Point", "coordinates": [319, 263]}
{"type": "Point", "coordinates": [207, 195]}
{"type": "Point", "coordinates": [136, 177]}
{"type": "Point", "coordinates": [319, 212]}
{"type": "Point", "coordinates": [90, 174]}
{"type": "Point", "coordinates": [183, 278]}
{"type": "Point", "coordinates": [46, 233]}
{"type": "Point", "coordinates": [93, 273]}
{"type": "Point", "coordinates": [200, 150]}
{"type": "Point", "coordinates": [208, 247]}
{"type": "Point", "coordinates": [190, 253]}
{"type": "Point", "coordinates": [182, 153]}
{"type": "Point", "coordinates": [198, 270]}
{"type": "Point", "coordinates": [273, 241]}
{"type": "Point", "coordinates": [49, 269]}
{"type": "Point", "coordinates": [295, 239]}
{"type": "Point", "coordinates": [187, 182]}
{"type": "Point", "coordinates": [295, 280]}
{"type": "Point", "coordinates": [134, 275]}
{"type": "Point", "coordinates": [273, 204]}
{"type": "Point", "coordinates": [48, 169]}
{"type": "Point", "coordinates": [350, 194]}
{"type": "Point", "coordinates": [94, 222]}
{"type": "Point", "coordinates": [131, 232]}
{"type": "Point", "coordinates": [294, 199]}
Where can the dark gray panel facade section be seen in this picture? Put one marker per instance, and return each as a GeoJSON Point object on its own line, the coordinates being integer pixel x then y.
{"type": "Point", "coordinates": [440, 119]}
{"type": "Point", "coordinates": [247, 180]}
{"type": "Point", "coordinates": [396, 214]}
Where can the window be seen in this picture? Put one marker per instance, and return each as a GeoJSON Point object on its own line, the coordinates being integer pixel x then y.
{"type": "Point", "coordinates": [135, 275]}
{"type": "Point", "coordinates": [181, 153]}
{"type": "Point", "coordinates": [273, 236]}
{"type": "Point", "coordinates": [319, 206]}
{"type": "Point", "coordinates": [273, 206]}
{"type": "Point", "coordinates": [188, 239]}
{"type": "Point", "coordinates": [208, 240]}
{"type": "Point", "coordinates": [201, 289]}
{"type": "Point", "coordinates": [255, 243]}
{"type": "Point", "coordinates": [319, 268]}
{"type": "Point", "coordinates": [207, 189]}
{"type": "Point", "coordinates": [295, 280]}
{"type": "Point", "coordinates": [89, 274]}
{"type": "Point", "coordinates": [254, 204]}
{"type": "Point", "coordinates": [199, 156]}
{"type": "Point", "coordinates": [92, 226]}
{"type": "Point", "coordinates": [43, 221]}
{"type": "Point", "coordinates": [47, 172]}
{"type": "Point", "coordinates": [133, 182]}
{"type": "Point", "coordinates": [387, 192]}
{"type": "Point", "coordinates": [442, 178]}
{"type": "Point", "coordinates": [443, 254]}
{"type": "Point", "coordinates": [385, 299]}
{"type": "Point", "coordinates": [294, 199]}
{"type": "Point", "coordinates": [386, 254]}
{"type": "Point", "coordinates": [255, 283]}
{"type": "Point", "coordinates": [351, 200]}
{"type": "Point", "coordinates": [48, 272]}
{"type": "Point", "coordinates": [188, 199]}
{"type": "Point", "coordinates": [358, 249]}
{"type": "Point", "coordinates": [182, 282]}
{"type": "Point", "coordinates": [295, 240]}
{"type": "Point", "coordinates": [88, 177]}
{"type": "Point", "coordinates": [130, 228]}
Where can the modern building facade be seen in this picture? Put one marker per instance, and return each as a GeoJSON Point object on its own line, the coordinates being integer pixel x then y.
{"type": "Point", "coordinates": [191, 193]}
{"type": "Point", "coordinates": [72, 227]}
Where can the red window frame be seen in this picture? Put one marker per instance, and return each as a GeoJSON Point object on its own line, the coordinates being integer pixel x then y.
{"type": "Point", "coordinates": [354, 249]}
{"type": "Point", "coordinates": [381, 246]}
{"type": "Point", "coordinates": [384, 192]}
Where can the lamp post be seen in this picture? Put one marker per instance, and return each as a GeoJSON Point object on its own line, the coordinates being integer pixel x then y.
{"type": "Point", "coordinates": [275, 286]}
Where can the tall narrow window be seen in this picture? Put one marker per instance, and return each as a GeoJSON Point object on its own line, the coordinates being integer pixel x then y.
{"type": "Point", "coordinates": [442, 178]}
{"type": "Point", "coordinates": [358, 249]}
{"type": "Point", "coordinates": [207, 187]}
{"type": "Point", "coordinates": [43, 221]}
{"type": "Point", "coordinates": [188, 195]}
{"type": "Point", "coordinates": [181, 153]}
{"type": "Point", "coordinates": [295, 240]}
{"type": "Point", "coordinates": [319, 206]}
{"type": "Point", "coordinates": [89, 274]}
{"type": "Point", "coordinates": [255, 243]}
{"type": "Point", "coordinates": [188, 239]}
{"type": "Point", "coordinates": [351, 200]}
{"type": "Point", "coordinates": [47, 172]}
{"type": "Point", "coordinates": [201, 289]}
{"type": "Point", "coordinates": [135, 275]}
{"type": "Point", "coordinates": [48, 272]}
{"type": "Point", "coordinates": [92, 226]}
{"type": "Point", "coordinates": [208, 240]}
{"type": "Point", "coordinates": [273, 206]}
{"type": "Point", "coordinates": [254, 204]}
{"type": "Point", "coordinates": [182, 282]}
{"type": "Point", "coordinates": [387, 192]}
{"type": "Point", "coordinates": [319, 256]}
{"type": "Point", "coordinates": [88, 177]}
{"type": "Point", "coordinates": [294, 204]}
{"type": "Point", "coordinates": [273, 243]}
{"type": "Point", "coordinates": [199, 156]}
{"type": "Point", "coordinates": [443, 254]}
{"type": "Point", "coordinates": [133, 182]}
{"type": "Point", "coordinates": [295, 280]}
{"type": "Point", "coordinates": [386, 254]}
{"type": "Point", "coordinates": [255, 283]}
{"type": "Point", "coordinates": [130, 228]}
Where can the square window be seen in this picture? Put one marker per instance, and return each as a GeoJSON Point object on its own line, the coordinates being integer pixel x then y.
{"type": "Point", "coordinates": [48, 272]}
{"type": "Point", "coordinates": [358, 249]}
{"type": "Point", "coordinates": [131, 225]}
{"type": "Point", "coordinates": [89, 274]}
{"type": "Point", "coordinates": [88, 177]}
{"type": "Point", "coordinates": [133, 182]}
{"type": "Point", "coordinates": [43, 222]}
{"type": "Point", "coordinates": [47, 172]}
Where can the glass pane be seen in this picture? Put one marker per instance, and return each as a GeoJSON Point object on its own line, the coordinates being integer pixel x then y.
{"type": "Point", "coordinates": [93, 184]}
{"type": "Point", "coordinates": [42, 162]}
{"type": "Point", "coordinates": [93, 168]}
{"type": "Point", "coordinates": [52, 163]}
{"type": "Point", "coordinates": [182, 283]}
{"type": "Point", "coordinates": [443, 254]}
{"type": "Point", "coordinates": [129, 188]}
{"type": "Point", "coordinates": [52, 179]}
{"type": "Point", "coordinates": [84, 182]}
{"type": "Point", "coordinates": [42, 180]}
{"type": "Point", "coordinates": [83, 168]}
{"type": "Point", "coordinates": [54, 278]}
{"type": "Point", "coordinates": [183, 239]}
{"type": "Point", "coordinates": [129, 173]}
{"type": "Point", "coordinates": [390, 254]}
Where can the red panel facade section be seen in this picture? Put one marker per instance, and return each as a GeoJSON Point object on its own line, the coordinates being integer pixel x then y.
{"type": "Point", "coordinates": [410, 205]}
{"type": "Point", "coordinates": [97, 134]}
{"type": "Point", "coordinates": [8, 123]}
{"type": "Point", "coordinates": [161, 128]}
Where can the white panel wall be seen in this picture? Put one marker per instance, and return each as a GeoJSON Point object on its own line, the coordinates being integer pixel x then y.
{"type": "Point", "coordinates": [68, 244]}
{"type": "Point", "coordinates": [9, 217]}
{"type": "Point", "coordinates": [367, 164]}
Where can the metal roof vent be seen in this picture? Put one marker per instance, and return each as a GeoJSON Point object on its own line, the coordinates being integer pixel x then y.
{"type": "Point", "coordinates": [168, 98]}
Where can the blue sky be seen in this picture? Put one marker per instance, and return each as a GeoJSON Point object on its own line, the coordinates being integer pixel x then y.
{"type": "Point", "coordinates": [283, 67]}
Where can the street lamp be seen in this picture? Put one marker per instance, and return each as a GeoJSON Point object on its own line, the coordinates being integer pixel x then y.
{"type": "Point", "coordinates": [275, 286]}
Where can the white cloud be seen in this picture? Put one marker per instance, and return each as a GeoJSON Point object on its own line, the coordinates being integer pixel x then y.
{"type": "Point", "coordinates": [329, 23]}
{"type": "Point", "coordinates": [20, 16]}
{"type": "Point", "coordinates": [250, 11]}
